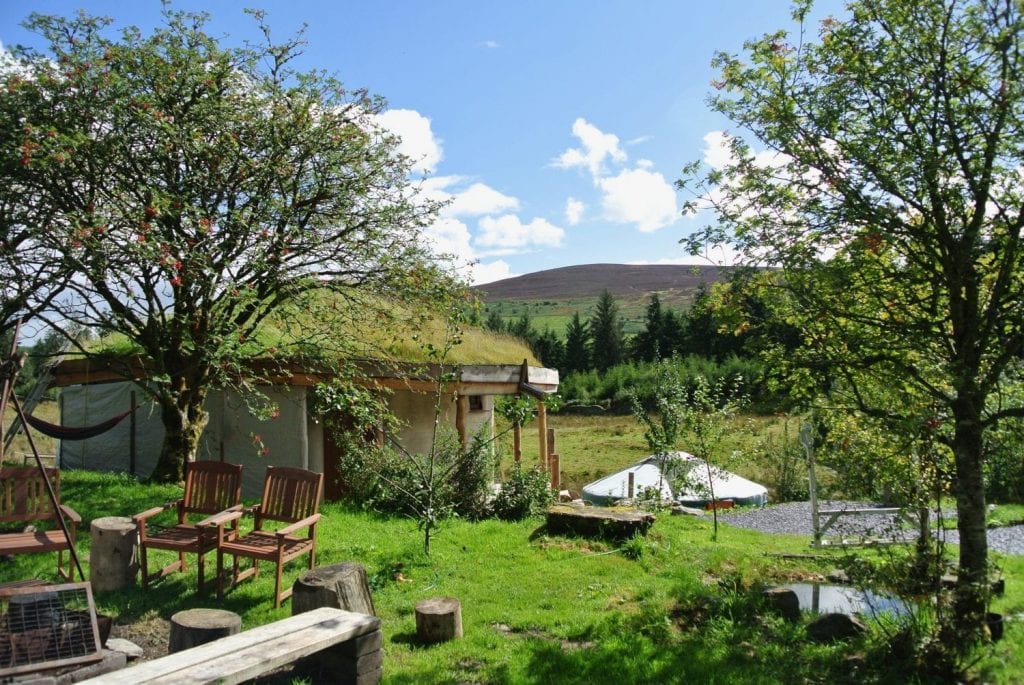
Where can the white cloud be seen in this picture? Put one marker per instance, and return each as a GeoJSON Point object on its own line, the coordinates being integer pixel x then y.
{"type": "Point", "coordinates": [418, 140]}
{"type": "Point", "coordinates": [508, 232]}
{"type": "Point", "coordinates": [488, 273]}
{"type": "Point", "coordinates": [574, 211]}
{"type": "Point", "coordinates": [476, 199]}
{"type": "Point", "coordinates": [596, 147]}
{"type": "Point", "coordinates": [717, 154]}
{"type": "Point", "coordinates": [450, 236]}
{"type": "Point", "coordinates": [640, 197]}
{"type": "Point", "coordinates": [479, 199]}
{"type": "Point", "coordinates": [490, 44]}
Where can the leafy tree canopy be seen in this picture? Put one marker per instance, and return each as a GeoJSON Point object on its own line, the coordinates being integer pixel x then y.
{"type": "Point", "coordinates": [196, 189]}
{"type": "Point", "coordinates": [889, 190]}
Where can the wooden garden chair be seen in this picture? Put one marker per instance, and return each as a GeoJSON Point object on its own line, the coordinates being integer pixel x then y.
{"type": "Point", "coordinates": [24, 500]}
{"type": "Point", "coordinates": [290, 497]}
{"type": "Point", "coordinates": [211, 487]}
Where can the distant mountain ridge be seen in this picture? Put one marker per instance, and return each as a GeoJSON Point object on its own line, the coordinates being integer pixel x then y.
{"type": "Point", "coordinates": [626, 281]}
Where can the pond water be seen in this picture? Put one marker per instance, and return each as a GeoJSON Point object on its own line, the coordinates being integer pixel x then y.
{"type": "Point", "coordinates": [821, 598]}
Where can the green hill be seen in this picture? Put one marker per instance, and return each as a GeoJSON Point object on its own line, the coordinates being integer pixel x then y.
{"type": "Point", "coordinates": [551, 297]}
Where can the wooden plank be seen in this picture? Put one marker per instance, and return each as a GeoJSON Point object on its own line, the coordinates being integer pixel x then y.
{"type": "Point", "coordinates": [237, 658]}
{"type": "Point", "coordinates": [888, 511]}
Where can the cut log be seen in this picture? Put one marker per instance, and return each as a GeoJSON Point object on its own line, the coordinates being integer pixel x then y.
{"type": "Point", "coordinates": [112, 553]}
{"type": "Point", "coordinates": [438, 619]}
{"type": "Point", "coordinates": [339, 586]}
{"type": "Point", "coordinates": [615, 523]}
{"type": "Point", "coordinates": [194, 627]}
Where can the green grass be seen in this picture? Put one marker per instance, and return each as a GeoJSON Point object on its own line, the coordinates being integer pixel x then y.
{"type": "Point", "coordinates": [671, 607]}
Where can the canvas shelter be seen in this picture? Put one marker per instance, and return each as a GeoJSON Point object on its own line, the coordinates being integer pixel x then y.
{"type": "Point", "coordinates": [696, 492]}
{"type": "Point", "coordinates": [294, 437]}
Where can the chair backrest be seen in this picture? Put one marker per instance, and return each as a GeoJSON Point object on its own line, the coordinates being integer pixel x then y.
{"type": "Point", "coordinates": [211, 487]}
{"type": "Point", "coordinates": [290, 494]}
{"type": "Point", "coordinates": [23, 495]}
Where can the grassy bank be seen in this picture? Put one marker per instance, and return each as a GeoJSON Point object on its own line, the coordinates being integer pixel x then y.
{"type": "Point", "coordinates": [672, 607]}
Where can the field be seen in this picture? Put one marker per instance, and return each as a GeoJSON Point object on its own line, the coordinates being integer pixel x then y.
{"type": "Point", "coordinates": [556, 314]}
{"type": "Point", "coordinates": [537, 608]}
{"type": "Point", "coordinates": [590, 447]}
{"type": "Point", "coordinates": [20, 452]}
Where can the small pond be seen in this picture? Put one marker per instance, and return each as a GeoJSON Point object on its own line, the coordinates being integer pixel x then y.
{"type": "Point", "coordinates": [821, 598]}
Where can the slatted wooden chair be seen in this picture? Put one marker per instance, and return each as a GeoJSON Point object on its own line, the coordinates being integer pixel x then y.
{"type": "Point", "coordinates": [290, 497]}
{"type": "Point", "coordinates": [211, 487]}
{"type": "Point", "coordinates": [24, 500]}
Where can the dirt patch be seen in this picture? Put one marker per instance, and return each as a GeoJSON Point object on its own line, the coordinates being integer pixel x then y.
{"type": "Point", "coordinates": [150, 632]}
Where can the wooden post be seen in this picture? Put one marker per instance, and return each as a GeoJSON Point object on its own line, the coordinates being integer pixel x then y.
{"type": "Point", "coordinates": [556, 472]}
{"type": "Point", "coordinates": [551, 441]}
{"type": "Point", "coordinates": [542, 432]}
{"type": "Point", "coordinates": [131, 437]}
{"type": "Point", "coordinates": [807, 440]}
{"type": "Point", "coordinates": [517, 442]}
{"type": "Point", "coordinates": [461, 409]}
{"type": "Point", "coordinates": [632, 478]}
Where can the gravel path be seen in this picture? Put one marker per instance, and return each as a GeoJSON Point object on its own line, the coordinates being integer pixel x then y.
{"type": "Point", "coordinates": [795, 518]}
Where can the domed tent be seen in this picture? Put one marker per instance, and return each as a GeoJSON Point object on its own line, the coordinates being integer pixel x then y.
{"type": "Point", "coordinates": [681, 467]}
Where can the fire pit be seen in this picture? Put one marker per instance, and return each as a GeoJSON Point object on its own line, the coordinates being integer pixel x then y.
{"type": "Point", "coordinates": [47, 626]}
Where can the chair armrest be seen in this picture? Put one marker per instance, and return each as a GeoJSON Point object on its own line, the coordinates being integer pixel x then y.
{"type": "Point", "coordinates": [298, 525]}
{"type": "Point", "coordinates": [71, 513]}
{"type": "Point", "coordinates": [222, 517]}
{"type": "Point", "coordinates": [150, 513]}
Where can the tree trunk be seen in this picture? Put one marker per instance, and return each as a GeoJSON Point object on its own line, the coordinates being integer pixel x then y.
{"type": "Point", "coordinates": [184, 419]}
{"type": "Point", "coordinates": [971, 590]}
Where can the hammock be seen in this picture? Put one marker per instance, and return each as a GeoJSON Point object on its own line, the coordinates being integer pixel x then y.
{"type": "Point", "coordinates": [74, 432]}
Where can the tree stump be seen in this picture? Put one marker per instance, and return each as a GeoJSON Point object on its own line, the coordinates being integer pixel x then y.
{"type": "Point", "coordinates": [112, 558]}
{"type": "Point", "coordinates": [339, 586]}
{"type": "Point", "coordinates": [438, 619]}
{"type": "Point", "coordinates": [617, 523]}
{"type": "Point", "coordinates": [194, 627]}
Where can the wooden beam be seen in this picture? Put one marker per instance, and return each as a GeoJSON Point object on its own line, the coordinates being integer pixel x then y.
{"type": "Point", "coordinates": [461, 410]}
{"type": "Point", "coordinates": [542, 432]}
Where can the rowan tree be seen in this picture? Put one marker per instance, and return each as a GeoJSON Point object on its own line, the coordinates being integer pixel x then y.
{"type": "Point", "coordinates": [886, 184]}
{"type": "Point", "coordinates": [200, 190]}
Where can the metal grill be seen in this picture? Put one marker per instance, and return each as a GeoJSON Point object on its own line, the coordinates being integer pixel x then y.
{"type": "Point", "coordinates": [47, 626]}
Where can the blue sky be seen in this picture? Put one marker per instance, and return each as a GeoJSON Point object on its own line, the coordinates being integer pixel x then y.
{"type": "Point", "coordinates": [557, 128]}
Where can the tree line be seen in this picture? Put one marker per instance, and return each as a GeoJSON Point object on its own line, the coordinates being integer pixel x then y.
{"type": "Point", "coordinates": [724, 320]}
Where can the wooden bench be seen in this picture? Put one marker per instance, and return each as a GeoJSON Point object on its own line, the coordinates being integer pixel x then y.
{"type": "Point", "coordinates": [896, 515]}
{"type": "Point", "coordinates": [24, 501]}
{"type": "Point", "coordinates": [350, 643]}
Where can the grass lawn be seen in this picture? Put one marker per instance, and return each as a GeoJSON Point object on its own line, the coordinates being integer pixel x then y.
{"type": "Point", "coordinates": [671, 607]}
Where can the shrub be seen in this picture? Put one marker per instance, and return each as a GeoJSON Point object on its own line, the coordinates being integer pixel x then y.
{"type": "Point", "coordinates": [784, 465]}
{"type": "Point", "coordinates": [524, 493]}
{"type": "Point", "coordinates": [387, 480]}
